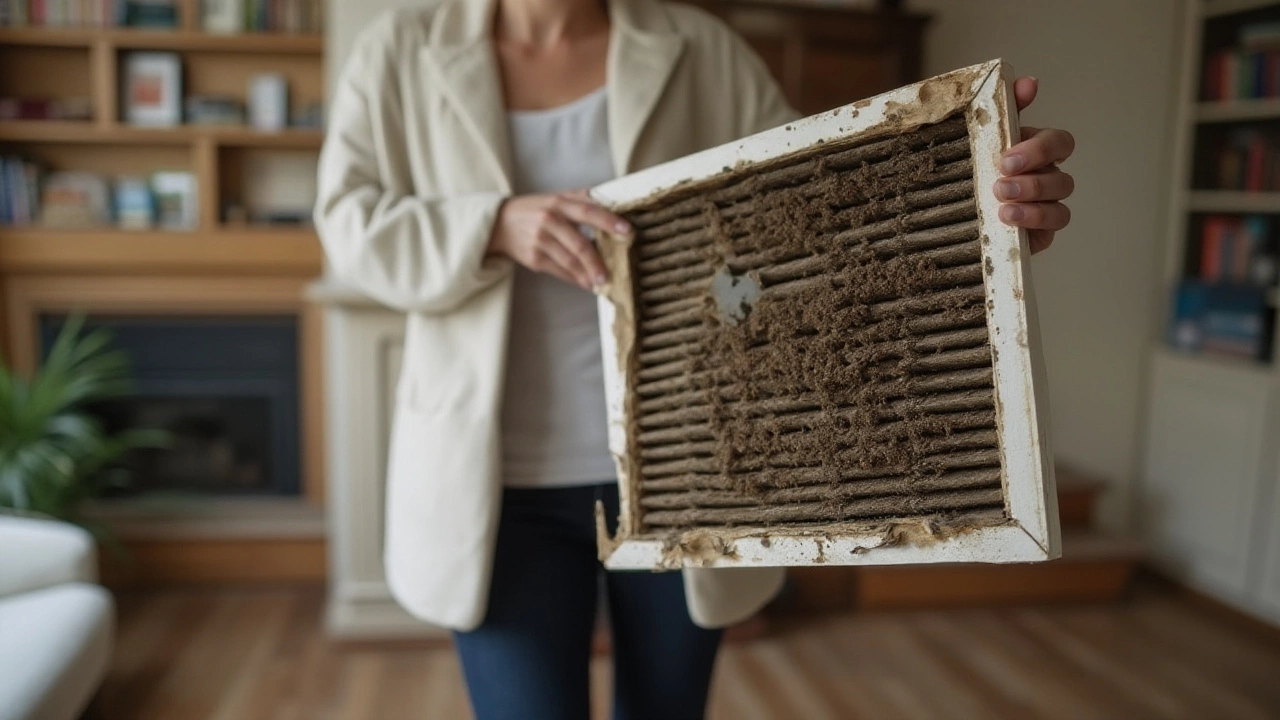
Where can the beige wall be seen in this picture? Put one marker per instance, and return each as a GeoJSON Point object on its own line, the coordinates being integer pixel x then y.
{"type": "Point", "coordinates": [1106, 70]}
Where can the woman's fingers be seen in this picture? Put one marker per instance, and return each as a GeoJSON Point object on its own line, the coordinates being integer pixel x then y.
{"type": "Point", "coordinates": [1024, 91]}
{"type": "Point", "coordinates": [583, 258]}
{"type": "Point", "coordinates": [1039, 149]}
{"type": "Point", "coordinates": [578, 207]}
{"type": "Point", "coordinates": [1037, 215]}
{"type": "Point", "coordinates": [1039, 240]}
{"type": "Point", "coordinates": [1051, 185]}
{"type": "Point", "coordinates": [553, 249]}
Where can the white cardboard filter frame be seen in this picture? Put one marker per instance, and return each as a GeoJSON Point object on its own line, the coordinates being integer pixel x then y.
{"type": "Point", "coordinates": [984, 93]}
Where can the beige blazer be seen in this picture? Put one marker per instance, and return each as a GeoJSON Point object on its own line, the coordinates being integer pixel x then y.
{"type": "Point", "coordinates": [414, 168]}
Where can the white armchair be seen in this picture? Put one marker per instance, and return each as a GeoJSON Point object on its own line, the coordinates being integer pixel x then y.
{"type": "Point", "coordinates": [56, 624]}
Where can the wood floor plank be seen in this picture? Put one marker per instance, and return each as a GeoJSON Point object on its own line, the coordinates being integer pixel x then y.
{"type": "Point", "coordinates": [261, 654]}
{"type": "Point", "coordinates": [1105, 670]}
{"type": "Point", "coordinates": [361, 681]}
{"type": "Point", "coordinates": [1198, 695]}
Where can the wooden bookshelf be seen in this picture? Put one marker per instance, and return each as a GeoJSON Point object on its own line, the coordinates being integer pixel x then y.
{"type": "Point", "coordinates": [1211, 419]}
{"type": "Point", "coordinates": [218, 267]}
{"type": "Point", "coordinates": [86, 62]}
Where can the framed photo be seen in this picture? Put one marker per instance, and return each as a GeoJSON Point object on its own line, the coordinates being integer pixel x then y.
{"type": "Point", "coordinates": [269, 102]}
{"type": "Point", "coordinates": [222, 16]}
{"type": "Point", "coordinates": [151, 89]}
{"type": "Point", "coordinates": [175, 199]}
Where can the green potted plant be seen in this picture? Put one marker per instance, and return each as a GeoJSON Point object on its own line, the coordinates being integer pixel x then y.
{"type": "Point", "coordinates": [54, 454]}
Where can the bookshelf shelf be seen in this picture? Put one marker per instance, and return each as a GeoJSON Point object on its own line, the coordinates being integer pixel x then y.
{"type": "Point", "coordinates": [1254, 370]}
{"type": "Point", "coordinates": [64, 131]}
{"type": "Point", "coordinates": [1214, 8]}
{"type": "Point", "coordinates": [1238, 110]}
{"type": "Point", "coordinates": [1227, 201]}
{"type": "Point", "coordinates": [180, 40]}
{"type": "Point", "coordinates": [243, 251]}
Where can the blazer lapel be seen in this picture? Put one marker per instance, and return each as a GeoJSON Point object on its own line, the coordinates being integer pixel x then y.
{"type": "Point", "coordinates": [461, 59]}
{"type": "Point", "coordinates": [643, 51]}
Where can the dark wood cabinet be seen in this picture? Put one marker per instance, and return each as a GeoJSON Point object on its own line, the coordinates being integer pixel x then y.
{"type": "Point", "coordinates": [826, 55]}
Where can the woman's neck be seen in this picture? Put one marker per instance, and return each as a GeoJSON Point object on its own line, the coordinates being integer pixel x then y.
{"type": "Point", "coordinates": [540, 23]}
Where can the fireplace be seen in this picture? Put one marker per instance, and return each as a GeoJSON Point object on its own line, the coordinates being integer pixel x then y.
{"type": "Point", "coordinates": [226, 388]}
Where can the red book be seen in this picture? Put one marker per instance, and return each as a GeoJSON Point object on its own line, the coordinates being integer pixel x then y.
{"type": "Point", "coordinates": [1210, 239]}
{"type": "Point", "coordinates": [1255, 164]}
{"type": "Point", "coordinates": [1213, 72]}
{"type": "Point", "coordinates": [1241, 253]}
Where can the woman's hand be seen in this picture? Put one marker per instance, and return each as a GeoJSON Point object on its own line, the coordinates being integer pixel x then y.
{"type": "Point", "coordinates": [1033, 186]}
{"type": "Point", "coordinates": [541, 233]}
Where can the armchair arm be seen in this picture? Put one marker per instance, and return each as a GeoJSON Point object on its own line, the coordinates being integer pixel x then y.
{"type": "Point", "coordinates": [36, 554]}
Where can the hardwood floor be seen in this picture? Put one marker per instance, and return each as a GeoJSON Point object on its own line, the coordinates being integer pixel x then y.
{"type": "Point", "coordinates": [260, 655]}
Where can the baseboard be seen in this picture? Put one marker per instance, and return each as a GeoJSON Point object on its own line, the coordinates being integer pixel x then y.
{"type": "Point", "coordinates": [1245, 621]}
{"type": "Point", "coordinates": [221, 561]}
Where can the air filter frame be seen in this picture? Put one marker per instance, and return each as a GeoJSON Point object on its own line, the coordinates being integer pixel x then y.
{"type": "Point", "coordinates": [1029, 532]}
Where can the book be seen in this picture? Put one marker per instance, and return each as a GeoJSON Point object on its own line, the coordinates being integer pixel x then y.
{"type": "Point", "coordinates": [213, 110]}
{"type": "Point", "coordinates": [74, 199]}
{"type": "Point", "coordinates": [151, 14]}
{"type": "Point", "coordinates": [19, 191]}
{"type": "Point", "coordinates": [1219, 319]}
{"type": "Point", "coordinates": [1238, 250]}
{"type": "Point", "coordinates": [133, 203]}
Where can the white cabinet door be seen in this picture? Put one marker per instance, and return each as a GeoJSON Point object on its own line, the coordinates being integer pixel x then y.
{"type": "Point", "coordinates": [1205, 464]}
{"type": "Point", "coordinates": [1267, 591]}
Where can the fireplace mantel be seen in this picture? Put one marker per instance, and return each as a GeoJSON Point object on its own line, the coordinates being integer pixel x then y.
{"type": "Point", "coordinates": [220, 540]}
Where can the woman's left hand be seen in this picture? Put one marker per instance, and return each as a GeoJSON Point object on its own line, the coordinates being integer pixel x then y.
{"type": "Point", "coordinates": [1033, 187]}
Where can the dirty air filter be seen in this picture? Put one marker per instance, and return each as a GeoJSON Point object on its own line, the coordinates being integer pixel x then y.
{"type": "Point", "coordinates": [821, 345]}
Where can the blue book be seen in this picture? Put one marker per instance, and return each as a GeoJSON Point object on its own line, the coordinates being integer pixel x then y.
{"type": "Point", "coordinates": [19, 203]}
{"type": "Point", "coordinates": [1259, 62]}
{"type": "Point", "coordinates": [1219, 319]}
{"type": "Point", "coordinates": [6, 214]}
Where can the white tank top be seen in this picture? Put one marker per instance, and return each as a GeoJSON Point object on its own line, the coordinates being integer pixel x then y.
{"type": "Point", "coordinates": [554, 429]}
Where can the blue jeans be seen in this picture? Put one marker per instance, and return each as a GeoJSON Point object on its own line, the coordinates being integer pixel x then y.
{"type": "Point", "coordinates": [529, 659]}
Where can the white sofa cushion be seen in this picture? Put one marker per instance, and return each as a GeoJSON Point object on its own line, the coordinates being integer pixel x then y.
{"type": "Point", "coordinates": [56, 649]}
{"type": "Point", "coordinates": [40, 553]}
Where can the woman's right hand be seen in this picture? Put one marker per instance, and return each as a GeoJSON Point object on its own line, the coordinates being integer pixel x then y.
{"type": "Point", "coordinates": [541, 233]}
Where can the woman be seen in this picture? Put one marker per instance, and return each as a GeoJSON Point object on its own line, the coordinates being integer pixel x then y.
{"type": "Point", "coordinates": [458, 134]}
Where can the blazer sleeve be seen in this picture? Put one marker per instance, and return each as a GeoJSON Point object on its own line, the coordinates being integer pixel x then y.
{"type": "Point", "coordinates": [412, 253]}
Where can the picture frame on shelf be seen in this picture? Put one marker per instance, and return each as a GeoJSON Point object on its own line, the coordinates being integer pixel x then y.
{"type": "Point", "coordinates": [151, 89]}
{"type": "Point", "coordinates": [222, 17]}
{"type": "Point", "coordinates": [175, 198]}
{"type": "Point", "coordinates": [269, 102]}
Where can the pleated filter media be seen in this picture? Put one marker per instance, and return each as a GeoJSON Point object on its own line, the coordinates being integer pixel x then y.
{"type": "Point", "coordinates": [821, 347]}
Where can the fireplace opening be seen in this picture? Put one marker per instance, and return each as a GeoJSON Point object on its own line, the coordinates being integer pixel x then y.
{"type": "Point", "coordinates": [224, 388]}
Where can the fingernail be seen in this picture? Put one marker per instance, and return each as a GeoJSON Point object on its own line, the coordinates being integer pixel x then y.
{"type": "Point", "coordinates": [1008, 189]}
{"type": "Point", "coordinates": [1011, 213]}
{"type": "Point", "coordinates": [1012, 164]}
{"type": "Point", "coordinates": [600, 280]}
{"type": "Point", "coordinates": [622, 227]}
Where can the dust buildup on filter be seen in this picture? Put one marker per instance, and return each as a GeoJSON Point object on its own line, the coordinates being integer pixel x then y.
{"type": "Point", "coordinates": [812, 342]}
